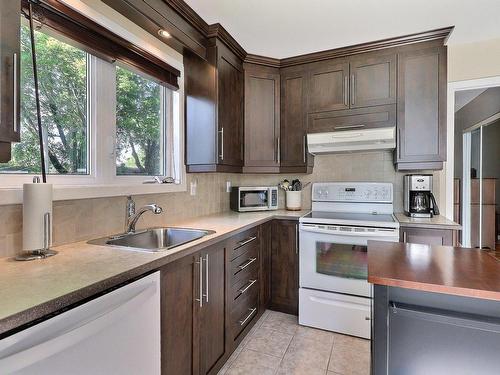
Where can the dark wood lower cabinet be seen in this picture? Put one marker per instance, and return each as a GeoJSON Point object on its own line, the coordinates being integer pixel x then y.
{"type": "Point", "coordinates": [428, 236]}
{"type": "Point", "coordinates": [210, 314]}
{"type": "Point", "coordinates": [193, 332]}
{"type": "Point", "coordinates": [236, 281]}
{"type": "Point", "coordinates": [178, 285]}
{"type": "Point", "coordinates": [285, 266]}
{"type": "Point", "coordinates": [265, 266]}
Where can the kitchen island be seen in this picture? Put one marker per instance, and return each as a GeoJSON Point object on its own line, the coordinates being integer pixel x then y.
{"type": "Point", "coordinates": [436, 309]}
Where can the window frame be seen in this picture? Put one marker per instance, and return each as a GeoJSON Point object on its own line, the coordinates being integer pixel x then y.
{"type": "Point", "coordinates": [102, 180]}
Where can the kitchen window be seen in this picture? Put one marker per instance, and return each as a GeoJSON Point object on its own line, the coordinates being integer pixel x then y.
{"type": "Point", "coordinates": [111, 114]}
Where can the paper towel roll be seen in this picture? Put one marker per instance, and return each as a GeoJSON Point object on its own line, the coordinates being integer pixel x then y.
{"type": "Point", "coordinates": [37, 201]}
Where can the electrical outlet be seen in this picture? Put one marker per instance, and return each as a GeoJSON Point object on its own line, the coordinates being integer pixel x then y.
{"type": "Point", "coordinates": [228, 186]}
{"type": "Point", "coordinates": [193, 187]}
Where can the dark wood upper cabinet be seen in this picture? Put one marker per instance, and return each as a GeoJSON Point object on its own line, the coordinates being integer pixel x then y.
{"type": "Point", "coordinates": [214, 110]}
{"type": "Point", "coordinates": [328, 86]}
{"type": "Point", "coordinates": [262, 119]}
{"type": "Point", "coordinates": [230, 107]}
{"type": "Point", "coordinates": [10, 23]}
{"type": "Point", "coordinates": [285, 266]}
{"type": "Point", "coordinates": [294, 155]}
{"type": "Point", "coordinates": [421, 131]}
{"type": "Point", "coordinates": [372, 80]}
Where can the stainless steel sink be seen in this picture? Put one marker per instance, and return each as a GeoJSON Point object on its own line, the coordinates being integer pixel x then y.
{"type": "Point", "coordinates": [154, 239]}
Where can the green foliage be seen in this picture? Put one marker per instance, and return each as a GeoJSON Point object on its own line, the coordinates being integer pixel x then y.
{"type": "Point", "coordinates": [63, 91]}
{"type": "Point", "coordinates": [62, 71]}
{"type": "Point", "coordinates": [138, 124]}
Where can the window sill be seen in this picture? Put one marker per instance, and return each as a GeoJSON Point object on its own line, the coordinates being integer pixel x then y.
{"type": "Point", "coordinates": [14, 195]}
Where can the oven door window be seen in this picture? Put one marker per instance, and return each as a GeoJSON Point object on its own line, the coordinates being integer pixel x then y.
{"type": "Point", "coordinates": [258, 198]}
{"type": "Point", "coordinates": [342, 260]}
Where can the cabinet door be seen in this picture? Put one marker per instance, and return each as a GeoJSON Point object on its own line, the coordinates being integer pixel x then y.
{"type": "Point", "coordinates": [285, 266]}
{"type": "Point", "coordinates": [265, 266]}
{"type": "Point", "coordinates": [293, 119]}
{"type": "Point", "coordinates": [421, 113]}
{"type": "Point", "coordinates": [434, 237]}
{"type": "Point", "coordinates": [179, 289]}
{"type": "Point", "coordinates": [262, 117]}
{"type": "Point", "coordinates": [211, 313]}
{"type": "Point", "coordinates": [230, 108]}
{"type": "Point", "coordinates": [10, 22]}
{"type": "Point", "coordinates": [373, 80]}
{"type": "Point", "coordinates": [328, 86]}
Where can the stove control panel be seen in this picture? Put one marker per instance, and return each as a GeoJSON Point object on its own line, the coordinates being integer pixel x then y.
{"type": "Point", "coordinates": [352, 192]}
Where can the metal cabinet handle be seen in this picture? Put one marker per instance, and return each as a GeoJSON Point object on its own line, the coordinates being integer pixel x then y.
{"type": "Point", "coordinates": [248, 286]}
{"type": "Point", "coordinates": [404, 236]}
{"type": "Point", "coordinates": [245, 265]}
{"type": "Point", "coordinates": [304, 142]}
{"type": "Point", "coordinates": [221, 131]}
{"type": "Point", "coordinates": [350, 126]}
{"type": "Point", "coordinates": [206, 278]}
{"type": "Point", "coordinates": [252, 311]}
{"type": "Point", "coordinates": [248, 240]}
{"type": "Point", "coordinates": [346, 91]}
{"type": "Point", "coordinates": [200, 264]}
{"type": "Point", "coordinates": [353, 89]}
{"type": "Point", "coordinates": [15, 91]}
{"type": "Point", "coordinates": [47, 235]}
{"type": "Point", "coordinates": [278, 148]}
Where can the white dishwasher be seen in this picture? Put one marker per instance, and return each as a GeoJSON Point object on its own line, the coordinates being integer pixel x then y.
{"type": "Point", "coordinates": [117, 333]}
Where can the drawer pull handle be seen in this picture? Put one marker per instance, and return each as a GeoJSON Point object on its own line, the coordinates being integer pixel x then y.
{"type": "Point", "coordinates": [349, 126]}
{"type": "Point", "coordinates": [248, 286]}
{"type": "Point", "coordinates": [248, 240]}
{"type": "Point", "coordinates": [246, 264]}
{"type": "Point", "coordinates": [252, 311]}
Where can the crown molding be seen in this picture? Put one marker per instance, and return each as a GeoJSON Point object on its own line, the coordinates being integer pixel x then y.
{"type": "Point", "coordinates": [426, 36]}
{"type": "Point", "coordinates": [216, 30]}
{"type": "Point", "coordinates": [262, 60]}
{"type": "Point", "coordinates": [188, 13]}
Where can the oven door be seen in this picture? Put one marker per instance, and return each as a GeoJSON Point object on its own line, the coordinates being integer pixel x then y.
{"type": "Point", "coordinates": [337, 262]}
{"type": "Point", "coordinates": [254, 199]}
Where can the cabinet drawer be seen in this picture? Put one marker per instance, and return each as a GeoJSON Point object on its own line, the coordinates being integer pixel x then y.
{"type": "Point", "coordinates": [353, 119]}
{"type": "Point", "coordinates": [244, 286]}
{"type": "Point", "coordinates": [247, 260]}
{"type": "Point", "coordinates": [243, 241]}
{"type": "Point", "coordinates": [243, 313]}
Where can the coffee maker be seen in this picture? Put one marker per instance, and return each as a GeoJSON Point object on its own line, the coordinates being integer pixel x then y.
{"type": "Point", "coordinates": [418, 198]}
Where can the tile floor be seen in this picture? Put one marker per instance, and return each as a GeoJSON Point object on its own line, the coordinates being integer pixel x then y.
{"type": "Point", "coordinates": [277, 344]}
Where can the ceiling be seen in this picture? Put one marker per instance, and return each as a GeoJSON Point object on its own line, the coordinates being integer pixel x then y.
{"type": "Point", "coordinates": [285, 28]}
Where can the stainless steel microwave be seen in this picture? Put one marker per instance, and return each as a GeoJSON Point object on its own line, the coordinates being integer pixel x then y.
{"type": "Point", "coordinates": [250, 198]}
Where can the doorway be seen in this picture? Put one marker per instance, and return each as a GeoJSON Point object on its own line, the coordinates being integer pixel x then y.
{"type": "Point", "coordinates": [476, 184]}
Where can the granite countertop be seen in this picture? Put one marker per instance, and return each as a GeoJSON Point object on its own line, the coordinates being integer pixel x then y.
{"type": "Point", "coordinates": [435, 222]}
{"type": "Point", "coordinates": [32, 290]}
{"type": "Point", "coordinates": [441, 269]}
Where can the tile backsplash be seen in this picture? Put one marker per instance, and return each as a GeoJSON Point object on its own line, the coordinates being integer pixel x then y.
{"type": "Point", "coordinates": [78, 220]}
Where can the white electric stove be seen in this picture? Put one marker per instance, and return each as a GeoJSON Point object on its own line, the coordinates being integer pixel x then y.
{"type": "Point", "coordinates": [334, 292]}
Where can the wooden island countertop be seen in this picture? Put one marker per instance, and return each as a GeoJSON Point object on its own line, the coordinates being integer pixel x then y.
{"type": "Point", "coordinates": [440, 269]}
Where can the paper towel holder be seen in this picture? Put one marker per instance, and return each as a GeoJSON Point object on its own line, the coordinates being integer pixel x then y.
{"type": "Point", "coordinates": [45, 252]}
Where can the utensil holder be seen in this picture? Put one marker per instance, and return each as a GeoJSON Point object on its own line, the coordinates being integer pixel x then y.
{"type": "Point", "coordinates": [293, 200]}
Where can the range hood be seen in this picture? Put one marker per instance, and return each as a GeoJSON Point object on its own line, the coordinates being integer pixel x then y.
{"type": "Point", "coordinates": [352, 140]}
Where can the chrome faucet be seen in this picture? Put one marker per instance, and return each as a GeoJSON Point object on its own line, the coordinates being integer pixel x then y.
{"type": "Point", "coordinates": [133, 217]}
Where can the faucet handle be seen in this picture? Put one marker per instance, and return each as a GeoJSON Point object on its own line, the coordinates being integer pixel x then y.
{"type": "Point", "coordinates": [130, 206]}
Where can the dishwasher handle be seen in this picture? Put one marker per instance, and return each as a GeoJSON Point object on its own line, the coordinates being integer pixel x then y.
{"type": "Point", "coordinates": [57, 340]}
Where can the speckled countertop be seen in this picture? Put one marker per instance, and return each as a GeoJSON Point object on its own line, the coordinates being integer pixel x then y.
{"type": "Point", "coordinates": [435, 222]}
{"type": "Point", "coordinates": [32, 290]}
